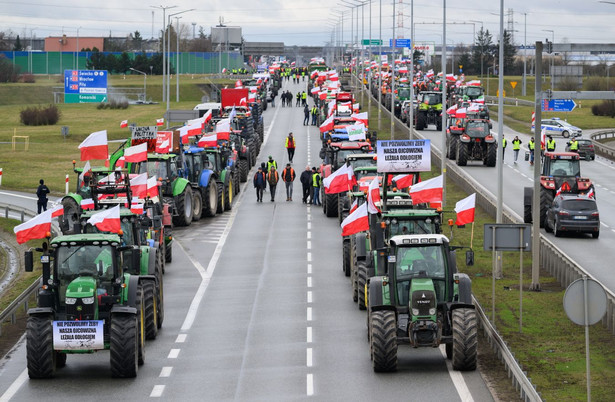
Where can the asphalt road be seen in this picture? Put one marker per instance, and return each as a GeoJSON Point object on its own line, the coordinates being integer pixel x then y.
{"type": "Point", "coordinates": [257, 308]}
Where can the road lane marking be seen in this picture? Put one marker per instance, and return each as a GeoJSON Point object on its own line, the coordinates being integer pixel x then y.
{"type": "Point", "coordinates": [309, 282]}
{"type": "Point", "coordinates": [309, 268]}
{"type": "Point", "coordinates": [14, 388]}
{"type": "Point", "coordinates": [181, 338]}
{"type": "Point", "coordinates": [309, 234]}
{"type": "Point", "coordinates": [173, 354]}
{"type": "Point", "coordinates": [309, 335]}
{"type": "Point", "coordinates": [309, 245]}
{"type": "Point", "coordinates": [309, 225]}
{"type": "Point", "coordinates": [166, 371]}
{"type": "Point", "coordinates": [309, 313]}
{"type": "Point", "coordinates": [19, 196]}
{"type": "Point", "coordinates": [457, 378]}
{"type": "Point", "coordinates": [309, 296]}
{"type": "Point", "coordinates": [310, 385]}
{"type": "Point", "coordinates": [157, 391]}
{"type": "Point", "coordinates": [308, 357]}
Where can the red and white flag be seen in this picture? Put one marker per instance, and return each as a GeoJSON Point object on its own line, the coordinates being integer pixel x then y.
{"type": "Point", "coordinates": [238, 84]}
{"type": "Point", "coordinates": [315, 90]}
{"type": "Point", "coordinates": [206, 117]}
{"type": "Point", "coordinates": [327, 125]}
{"type": "Point", "coordinates": [543, 138]}
{"type": "Point", "coordinates": [591, 193]}
{"type": "Point", "coordinates": [373, 197]}
{"type": "Point", "coordinates": [163, 142]}
{"type": "Point", "coordinates": [243, 102]}
{"type": "Point", "coordinates": [403, 180]}
{"type": "Point", "coordinates": [223, 129]}
{"type": "Point", "coordinates": [362, 117]}
{"type": "Point", "coordinates": [334, 77]}
{"type": "Point", "coordinates": [107, 220]}
{"type": "Point", "coordinates": [356, 222]}
{"type": "Point", "coordinates": [36, 228]}
{"type": "Point", "coordinates": [94, 146]}
{"type": "Point", "coordinates": [136, 208]}
{"type": "Point", "coordinates": [428, 191]}
{"type": "Point", "coordinates": [138, 153]}
{"type": "Point", "coordinates": [138, 185]}
{"type": "Point", "coordinates": [124, 124]}
{"type": "Point", "coordinates": [341, 180]}
{"type": "Point", "coordinates": [354, 206]}
{"type": "Point", "coordinates": [121, 162]}
{"type": "Point", "coordinates": [152, 187]}
{"type": "Point", "coordinates": [160, 122]}
{"type": "Point", "coordinates": [87, 203]}
{"type": "Point", "coordinates": [57, 211]}
{"type": "Point", "coordinates": [86, 169]}
{"type": "Point", "coordinates": [208, 140]}
{"type": "Point", "coordinates": [191, 129]}
{"type": "Point", "coordinates": [465, 210]}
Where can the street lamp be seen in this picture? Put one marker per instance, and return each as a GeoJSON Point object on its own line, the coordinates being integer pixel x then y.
{"type": "Point", "coordinates": [164, 64]}
{"type": "Point", "coordinates": [77, 53]}
{"type": "Point", "coordinates": [551, 55]}
{"type": "Point", "coordinates": [169, 55]}
{"type": "Point", "coordinates": [177, 59]}
{"type": "Point", "coordinates": [481, 47]}
{"type": "Point", "coordinates": [144, 82]}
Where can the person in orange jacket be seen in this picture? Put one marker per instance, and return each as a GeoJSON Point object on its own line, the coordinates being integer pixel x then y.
{"type": "Point", "coordinates": [288, 176]}
{"type": "Point", "coordinates": [290, 147]}
{"type": "Point", "coordinates": [272, 179]}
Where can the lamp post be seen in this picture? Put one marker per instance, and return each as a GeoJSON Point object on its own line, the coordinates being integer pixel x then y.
{"type": "Point", "coordinates": [177, 59]}
{"type": "Point", "coordinates": [169, 55]}
{"type": "Point", "coordinates": [164, 55]}
{"type": "Point", "coordinates": [393, 77]}
{"type": "Point", "coordinates": [31, 66]}
{"type": "Point", "coordinates": [481, 47]}
{"type": "Point", "coordinates": [444, 106]}
{"type": "Point", "coordinates": [77, 52]}
{"type": "Point", "coordinates": [144, 82]}
{"type": "Point", "coordinates": [411, 114]}
{"type": "Point", "coordinates": [523, 90]}
{"type": "Point", "coordinates": [551, 55]}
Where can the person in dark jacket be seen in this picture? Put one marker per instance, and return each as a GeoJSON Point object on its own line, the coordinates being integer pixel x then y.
{"type": "Point", "coordinates": [272, 178]}
{"type": "Point", "coordinates": [259, 184]}
{"type": "Point", "coordinates": [306, 114]}
{"type": "Point", "coordinates": [288, 176]}
{"type": "Point", "coordinates": [41, 193]}
{"type": "Point", "coordinates": [306, 183]}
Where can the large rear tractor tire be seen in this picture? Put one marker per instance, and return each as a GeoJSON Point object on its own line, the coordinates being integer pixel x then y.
{"type": "Point", "coordinates": [546, 199]}
{"type": "Point", "coordinates": [421, 122]}
{"type": "Point", "coordinates": [39, 350]}
{"type": "Point", "coordinates": [462, 154]}
{"type": "Point", "coordinates": [346, 257]}
{"type": "Point", "coordinates": [123, 350]}
{"type": "Point", "coordinates": [150, 308]}
{"type": "Point", "coordinates": [383, 339]}
{"type": "Point", "coordinates": [527, 214]}
{"type": "Point", "coordinates": [210, 197]}
{"type": "Point", "coordinates": [244, 168]}
{"type": "Point", "coordinates": [183, 203]}
{"type": "Point", "coordinates": [361, 282]}
{"type": "Point", "coordinates": [492, 154]}
{"type": "Point", "coordinates": [465, 339]}
{"type": "Point", "coordinates": [72, 212]}
{"type": "Point", "coordinates": [197, 206]}
{"type": "Point", "coordinates": [331, 209]}
{"type": "Point", "coordinates": [228, 197]}
{"type": "Point", "coordinates": [452, 147]}
{"type": "Point", "coordinates": [220, 189]}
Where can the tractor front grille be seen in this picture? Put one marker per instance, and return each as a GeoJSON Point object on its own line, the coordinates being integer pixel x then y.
{"type": "Point", "coordinates": [80, 311]}
{"type": "Point", "coordinates": [423, 300]}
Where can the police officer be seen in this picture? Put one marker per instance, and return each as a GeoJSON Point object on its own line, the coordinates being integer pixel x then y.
{"type": "Point", "coordinates": [315, 187]}
{"type": "Point", "coordinates": [516, 147]}
{"type": "Point", "coordinates": [314, 113]}
{"type": "Point", "coordinates": [574, 145]}
{"type": "Point", "coordinates": [531, 145]}
{"type": "Point", "coordinates": [41, 193]}
{"type": "Point", "coordinates": [550, 144]}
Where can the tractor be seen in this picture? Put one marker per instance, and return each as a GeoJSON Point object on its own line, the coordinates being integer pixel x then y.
{"type": "Point", "coordinates": [87, 302]}
{"type": "Point", "coordinates": [561, 174]}
{"type": "Point", "coordinates": [421, 300]}
{"type": "Point", "coordinates": [429, 110]}
{"type": "Point", "coordinates": [475, 143]}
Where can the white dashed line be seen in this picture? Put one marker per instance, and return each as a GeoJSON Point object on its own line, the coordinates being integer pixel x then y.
{"type": "Point", "coordinates": [309, 313]}
{"type": "Point", "coordinates": [309, 235]}
{"type": "Point", "coordinates": [309, 244]}
{"type": "Point", "coordinates": [309, 282]}
{"type": "Point", "coordinates": [181, 338]}
{"type": "Point", "coordinates": [309, 268]}
{"type": "Point", "coordinates": [308, 359]}
{"type": "Point", "coordinates": [173, 354]}
{"type": "Point", "coordinates": [309, 296]}
{"type": "Point", "coordinates": [309, 257]}
{"type": "Point", "coordinates": [310, 385]}
{"type": "Point", "coordinates": [309, 335]}
{"type": "Point", "coordinates": [166, 371]}
{"type": "Point", "coordinates": [309, 225]}
{"type": "Point", "coordinates": [157, 391]}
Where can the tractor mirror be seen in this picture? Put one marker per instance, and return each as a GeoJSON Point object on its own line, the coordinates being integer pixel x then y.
{"type": "Point", "coordinates": [29, 263]}
{"type": "Point", "coordinates": [469, 258]}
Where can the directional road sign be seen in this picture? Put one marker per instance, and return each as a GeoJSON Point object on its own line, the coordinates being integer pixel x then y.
{"type": "Point", "coordinates": [400, 42]}
{"type": "Point", "coordinates": [83, 86]}
{"type": "Point", "coordinates": [558, 105]}
{"type": "Point", "coordinates": [373, 42]}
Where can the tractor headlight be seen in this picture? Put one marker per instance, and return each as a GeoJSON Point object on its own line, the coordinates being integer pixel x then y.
{"type": "Point", "coordinates": [432, 311]}
{"type": "Point", "coordinates": [88, 300]}
{"type": "Point", "coordinates": [71, 300]}
{"type": "Point", "coordinates": [415, 311]}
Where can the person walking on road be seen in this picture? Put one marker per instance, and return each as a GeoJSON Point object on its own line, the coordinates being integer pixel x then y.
{"type": "Point", "coordinates": [272, 179]}
{"type": "Point", "coordinates": [516, 142]}
{"type": "Point", "coordinates": [288, 176]}
{"type": "Point", "coordinates": [271, 163]}
{"type": "Point", "coordinates": [304, 98]}
{"type": "Point", "coordinates": [503, 147]}
{"type": "Point", "coordinates": [531, 145]}
{"type": "Point", "coordinates": [314, 113]}
{"type": "Point", "coordinates": [550, 144]}
{"type": "Point", "coordinates": [306, 115]}
{"type": "Point", "coordinates": [41, 193]}
{"type": "Point", "coordinates": [259, 184]}
{"type": "Point", "coordinates": [315, 187]}
{"type": "Point", "coordinates": [298, 103]}
{"type": "Point", "coordinates": [306, 183]}
{"type": "Point", "coordinates": [290, 147]}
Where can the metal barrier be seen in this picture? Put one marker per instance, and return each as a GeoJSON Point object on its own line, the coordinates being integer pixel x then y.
{"type": "Point", "coordinates": [21, 300]}
{"type": "Point", "coordinates": [603, 149]}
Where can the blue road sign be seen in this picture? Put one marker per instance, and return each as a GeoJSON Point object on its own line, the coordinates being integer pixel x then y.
{"type": "Point", "coordinates": [85, 82]}
{"type": "Point", "coordinates": [558, 105]}
{"type": "Point", "coordinates": [400, 42]}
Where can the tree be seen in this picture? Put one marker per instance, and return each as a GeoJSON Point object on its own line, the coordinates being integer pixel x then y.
{"type": "Point", "coordinates": [509, 52]}
{"type": "Point", "coordinates": [124, 63]}
{"type": "Point", "coordinates": [17, 47]}
{"type": "Point", "coordinates": [137, 41]}
{"type": "Point", "coordinates": [481, 52]}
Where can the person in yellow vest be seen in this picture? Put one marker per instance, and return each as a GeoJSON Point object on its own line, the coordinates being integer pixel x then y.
{"type": "Point", "coordinates": [290, 147]}
{"type": "Point", "coordinates": [550, 144]}
{"type": "Point", "coordinates": [531, 145]}
{"type": "Point", "coordinates": [303, 98]}
{"type": "Point", "coordinates": [314, 113]}
{"type": "Point", "coordinates": [574, 145]}
{"type": "Point", "coordinates": [503, 146]}
{"type": "Point", "coordinates": [516, 142]}
{"type": "Point", "coordinates": [315, 187]}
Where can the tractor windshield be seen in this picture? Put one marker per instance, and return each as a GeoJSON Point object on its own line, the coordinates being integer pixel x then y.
{"type": "Point", "coordinates": [474, 92]}
{"type": "Point", "coordinates": [342, 154]}
{"type": "Point", "coordinates": [425, 261]}
{"type": "Point", "coordinates": [433, 98]}
{"type": "Point", "coordinates": [404, 93]}
{"type": "Point", "coordinates": [128, 236]}
{"type": "Point", "coordinates": [155, 167]}
{"type": "Point", "coordinates": [362, 162]}
{"type": "Point", "coordinates": [209, 162]}
{"type": "Point", "coordinates": [84, 260]}
{"type": "Point", "coordinates": [403, 227]}
{"type": "Point", "coordinates": [477, 128]}
{"type": "Point", "coordinates": [565, 167]}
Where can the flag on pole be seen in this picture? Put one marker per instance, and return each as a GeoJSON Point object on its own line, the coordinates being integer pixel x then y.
{"type": "Point", "coordinates": [135, 154]}
{"type": "Point", "coordinates": [327, 125]}
{"type": "Point", "coordinates": [373, 197]}
{"type": "Point", "coordinates": [138, 185]}
{"type": "Point", "coordinates": [223, 129]}
{"type": "Point", "coordinates": [356, 222]}
{"type": "Point", "coordinates": [36, 228]}
{"type": "Point", "coordinates": [87, 203]}
{"type": "Point", "coordinates": [57, 211]}
{"type": "Point", "coordinates": [209, 140]}
{"type": "Point", "coordinates": [465, 210]}
{"type": "Point", "coordinates": [428, 191]}
{"type": "Point", "coordinates": [341, 180]}
{"type": "Point", "coordinates": [107, 220]}
{"type": "Point", "coordinates": [124, 124]}
{"type": "Point", "coordinates": [136, 208]}
{"type": "Point", "coordinates": [160, 122]}
{"type": "Point", "coordinates": [152, 187]}
{"type": "Point", "coordinates": [354, 206]}
{"type": "Point", "coordinates": [361, 117]}
{"type": "Point", "coordinates": [403, 180]}
{"type": "Point", "coordinates": [86, 169]}
{"type": "Point", "coordinates": [94, 146]}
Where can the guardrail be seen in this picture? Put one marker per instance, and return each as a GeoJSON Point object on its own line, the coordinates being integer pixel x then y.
{"type": "Point", "coordinates": [21, 300]}
{"type": "Point", "coordinates": [493, 100]}
{"type": "Point", "coordinates": [603, 149]}
{"type": "Point", "coordinates": [23, 213]}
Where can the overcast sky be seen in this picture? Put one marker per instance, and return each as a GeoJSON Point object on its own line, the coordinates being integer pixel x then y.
{"type": "Point", "coordinates": [312, 22]}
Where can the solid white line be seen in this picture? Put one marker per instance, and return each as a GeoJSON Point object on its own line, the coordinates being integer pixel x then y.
{"type": "Point", "coordinates": [309, 257]}
{"type": "Point", "coordinates": [309, 357]}
{"type": "Point", "coordinates": [157, 391]}
{"type": "Point", "coordinates": [309, 244]}
{"type": "Point", "coordinates": [18, 196]}
{"type": "Point", "coordinates": [309, 335]}
{"type": "Point", "coordinates": [181, 338]}
{"type": "Point", "coordinates": [14, 388]}
{"type": "Point", "coordinates": [457, 378]}
{"type": "Point", "coordinates": [309, 282]}
{"type": "Point", "coordinates": [309, 268]}
{"type": "Point", "coordinates": [310, 385]}
{"type": "Point", "coordinates": [309, 296]}
{"type": "Point", "coordinates": [166, 371]}
{"type": "Point", "coordinates": [173, 354]}
{"type": "Point", "coordinates": [309, 313]}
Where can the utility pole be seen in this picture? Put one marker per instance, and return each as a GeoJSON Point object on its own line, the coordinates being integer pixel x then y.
{"type": "Point", "coordinates": [535, 286]}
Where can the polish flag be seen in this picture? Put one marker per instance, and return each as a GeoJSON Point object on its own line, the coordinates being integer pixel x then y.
{"type": "Point", "coordinates": [334, 77]}
{"type": "Point", "coordinates": [403, 180]}
{"type": "Point", "coordinates": [160, 122]}
{"type": "Point", "coordinates": [95, 146]}
{"type": "Point", "coordinates": [86, 169]}
{"type": "Point", "coordinates": [87, 203]}
{"type": "Point", "coordinates": [342, 180]}
{"type": "Point", "coordinates": [207, 117]}
{"type": "Point", "coordinates": [238, 84]}
{"type": "Point", "coordinates": [208, 141]}
{"type": "Point", "coordinates": [138, 185]}
{"type": "Point", "coordinates": [163, 142]}
{"type": "Point", "coordinates": [192, 129]}
{"type": "Point", "coordinates": [107, 220]}
{"type": "Point", "coordinates": [373, 197]}
{"type": "Point", "coordinates": [136, 208]}
{"type": "Point", "coordinates": [36, 228]}
{"type": "Point", "coordinates": [461, 113]}
{"type": "Point", "coordinates": [543, 138]}
{"type": "Point", "coordinates": [314, 74]}
{"type": "Point", "coordinates": [56, 211]}
{"type": "Point", "coordinates": [427, 191]}
{"type": "Point", "coordinates": [362, 117]}
{"type": "Point", "coordinates": [124, 124]}
{"type": "Point", "coordinates": [327, 125]}
{"type": "Point", "coordinates": [315, 90]}
{"type": "Point", "coordinates": [354, 206]}
{"type": "Point", "coordinates": [138, 153]}
{"type": "Point", "coordinates": [121, 162]}
{"type": "Point", "coordinates": [356, 222]}
{"type": "Point", "coordinates": [242, 102]}
{"type": "Point", "coordinates": [591, 193]}
{"type": "Point", "coordinates": [465, 210]}
{"type": "Point", "coordinates": [223, 129]}
{"type": "Point", "coordinates": [322, 95]}
{"type": "Point", "coordinates": [152, 187]}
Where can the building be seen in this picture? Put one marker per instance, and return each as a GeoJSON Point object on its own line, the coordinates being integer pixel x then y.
{"type": "Point", "coordinates": [73, 44]}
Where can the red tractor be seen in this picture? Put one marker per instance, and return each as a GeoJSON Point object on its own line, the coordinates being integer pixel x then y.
{"type": "Point", "coordinates": [561, 174]}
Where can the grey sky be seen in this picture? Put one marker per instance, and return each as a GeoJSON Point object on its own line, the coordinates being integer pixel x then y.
{"type": "Point", "coordinates": [305, 23]}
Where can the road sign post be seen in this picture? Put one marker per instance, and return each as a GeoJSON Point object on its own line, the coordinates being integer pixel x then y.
{"type": "Point", "coordinates": [85, 86]}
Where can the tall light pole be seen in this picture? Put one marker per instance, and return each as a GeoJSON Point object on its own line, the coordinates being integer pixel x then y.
{"type": "Point", "coordinates": [164, 54]}
{"type": "Point", "coordinates": [551, 55]}
{"type": "Point", "coordinates": [523, 90]}
{"type": "Point", "coordinates": [500, 155]}
{"type": "Point", "coordinates": [31, 66]}
{"type": "Point", "coordinates": [77, 53]}
{"type": "Point", "coordinates": [144, 83]}
{"type": "Point", "coordinates": [443, 81]}
{"type": "Point", "coordinates": [393, 77]}
{"type": "Point", "coordinates": [380, 69]}
{"type": "Point", "coordinates": [177, 59]}
{"type": "Point", "coordinates": [169, 56]}
{"type": "Point", "coordinates": [481, 47]}
{"type": "Point", "coordinates": [411, 114]}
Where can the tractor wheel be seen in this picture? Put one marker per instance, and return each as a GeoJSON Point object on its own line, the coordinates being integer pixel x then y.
{"type": "Point", "coordinates": [197, 208]}
{"type": "Point", "coordinates": [243, 170]}
{"type": "Point", "coordinates": [331, 201]}
{"type": "Point", "coordinates": [462, 154]}
{"type": "Point", "coordinates": [361, 283]}
{"type": "Point", "coordinates": [168, 254]}
{"type": "Point", "coordinates": [353, 269]}
{"type": "Point", "coordinates": [60, 360]}
{"type": "Point", "coordinates": [261, 130]}
{"type": "Point", "coordinates": [383, 340]}
{"type": "Point", "coordinates": [527, 214]}
{"type": "Point", "coordinates": [140, 326]}
{"type": "Point", "coordinates": [421, 124]}
{"type": "Point", "coordinates": [439, 124]}
{"type": "Point", "coordinates": [220, 189]}
{"type": "Point", "coordinates": [492, 154]}
{"type": "Point", "coordinates": [465, 339]}
{"type": "Point", "coordinates": [72, 212]}
{"type": "Point", "coordinates": [183, 203]}
{"type": "Point", "coordinates": [449, 350]}
{"type": "Point", "coordinates": [123, 349]}
{"type": "Point", "coordinates": [150, 308]}
{"type": "Point", "coordinates": [228, 198]}
{"type": "Point", "coordinates": [346, 257]}
{"type": "Point", "coordinates": [39, 349]}
{"type": "Point", "coordinates": [546, 199]}
{"type": "Point", "coordinates": [237, 184]}
{"type": "Point", "coordinates": [452, 147]}
{"type": "Point", "coordinates": [159, 293]}
{"type": "Point", "coordinates": [210, 199]}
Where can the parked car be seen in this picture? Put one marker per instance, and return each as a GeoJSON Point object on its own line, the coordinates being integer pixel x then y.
{"type": "Point", "coordinates": [557, 127]}
{"type": "Point", "coordinates": [586, 149]}
{"type": "Point", "coordinates": [573, 213]}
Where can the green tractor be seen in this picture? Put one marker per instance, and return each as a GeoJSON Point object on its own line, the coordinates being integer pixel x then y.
{"type": "Point", "coordinates": [421, 300]}
{"type": "Point", "coordinates": [87, 303]}
{"type": "Point", "coordinates": [429, 110]}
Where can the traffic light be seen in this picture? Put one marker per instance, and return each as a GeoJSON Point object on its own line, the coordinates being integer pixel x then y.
{"type": "Point", "coordinates": [549, 46]}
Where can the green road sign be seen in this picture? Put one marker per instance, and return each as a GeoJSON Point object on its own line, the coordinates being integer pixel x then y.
{"type": "Point", "coordinates": [373, 42]}
{"type": "Point", "coordinates": [85, 98]}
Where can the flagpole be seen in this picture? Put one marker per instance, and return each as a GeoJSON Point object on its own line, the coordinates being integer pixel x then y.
{"type": "Point", "coordinates": [472, 238]}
